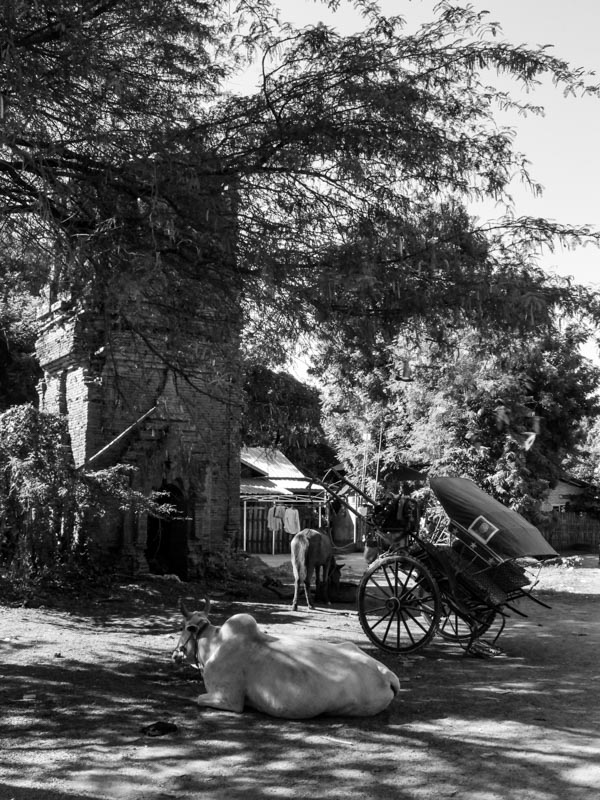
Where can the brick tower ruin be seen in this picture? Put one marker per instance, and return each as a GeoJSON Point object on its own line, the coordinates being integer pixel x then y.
{"type": "Point", "coordinates": [127, 401]}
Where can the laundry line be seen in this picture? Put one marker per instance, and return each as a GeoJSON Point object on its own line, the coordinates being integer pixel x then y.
{"type": "Point", "coordinates": [285, 500]}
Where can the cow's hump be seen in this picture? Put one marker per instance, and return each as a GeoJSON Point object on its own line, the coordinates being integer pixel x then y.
{"type": "Point", "coordinates": [242, 626]}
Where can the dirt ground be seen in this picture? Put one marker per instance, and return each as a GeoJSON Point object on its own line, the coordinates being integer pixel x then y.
{"type": "Point", "coordinates": [79, 685]}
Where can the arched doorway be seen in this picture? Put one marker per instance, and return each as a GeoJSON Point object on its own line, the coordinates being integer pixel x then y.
{"type": "Point", "coordinates": [167, 545]}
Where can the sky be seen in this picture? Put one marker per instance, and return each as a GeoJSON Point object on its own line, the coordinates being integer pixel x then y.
{"type": "Point", "coordinates": [563, 147]}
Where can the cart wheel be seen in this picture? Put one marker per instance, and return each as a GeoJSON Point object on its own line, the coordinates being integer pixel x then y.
{"type": "Point", "coordinates": [399, 604]}
{"type": "Point", "coordinates": [456, 627]}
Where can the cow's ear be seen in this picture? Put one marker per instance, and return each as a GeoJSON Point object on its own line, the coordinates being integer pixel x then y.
{"type": "Point", "coordinates": [183, 609]}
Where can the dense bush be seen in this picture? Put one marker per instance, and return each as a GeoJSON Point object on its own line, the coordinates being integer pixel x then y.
{"type": "Point", "coordinates": [47, 504]}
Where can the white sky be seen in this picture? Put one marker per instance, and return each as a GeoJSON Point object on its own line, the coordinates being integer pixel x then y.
{"type": "Point", "coordinates": [563, 146]}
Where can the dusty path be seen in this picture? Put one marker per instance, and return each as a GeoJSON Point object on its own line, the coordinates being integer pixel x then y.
{"type": "Point", "coordinates": [76, 688]}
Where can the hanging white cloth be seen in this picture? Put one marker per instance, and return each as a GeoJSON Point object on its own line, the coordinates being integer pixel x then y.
{"type": "Point", "coordinates": [275, 518]}
{"type": "Point", "coordinates": [291, 521]}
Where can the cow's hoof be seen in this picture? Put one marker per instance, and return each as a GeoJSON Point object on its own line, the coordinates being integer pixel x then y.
{"type": "Point", "coordinates": [312, 608]}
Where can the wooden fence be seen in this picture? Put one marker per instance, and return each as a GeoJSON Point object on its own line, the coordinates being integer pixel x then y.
{"type": "Point", "coordinates": [565, 531]}
{"type": "Point", "coordinates": [569, 530]}
{"type": "Point", "coordinates": [259, 539]}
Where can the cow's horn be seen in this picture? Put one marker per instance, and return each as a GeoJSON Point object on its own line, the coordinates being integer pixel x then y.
{"type": "Point", "coordinates": [183, 609]}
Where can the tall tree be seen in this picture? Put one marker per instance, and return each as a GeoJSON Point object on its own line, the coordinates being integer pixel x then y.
{"type": "Point", "coordinates": [330, 199]}
{"type": "Point", "coordinates": [97, 172]}
{"type": "Point", "coordinates": [506, 414]}
{"type": "Point", "coordinates": [118, 140]}
{"type": "Point", "coordinates": [282, 412]}
{"type": "Point", "coordinates": [584, 463]}
{"type": "Point", "coordinates": [366, 228]}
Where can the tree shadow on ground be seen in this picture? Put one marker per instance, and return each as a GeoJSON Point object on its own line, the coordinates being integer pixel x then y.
{"type": "Point", "coordinates": [525, 724]}
{"type": "Point", "coordinates": [13, 792]}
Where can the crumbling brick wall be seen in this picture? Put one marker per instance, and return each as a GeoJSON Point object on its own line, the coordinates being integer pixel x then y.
{"type": "Point", "coordinates": [126, 401]}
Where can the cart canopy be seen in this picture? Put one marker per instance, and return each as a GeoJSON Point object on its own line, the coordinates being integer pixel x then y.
{"type": "Point", "coordinates": [505, 531]}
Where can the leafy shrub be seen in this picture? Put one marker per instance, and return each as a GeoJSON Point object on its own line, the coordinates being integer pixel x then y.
{"type": "Point", "coordinates": [47, 503]}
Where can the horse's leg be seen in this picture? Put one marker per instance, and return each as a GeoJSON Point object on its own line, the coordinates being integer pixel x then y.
{"type": "Point", "coordinates": [296, 589]}
{"type": "Point", "coordinates": [325, 579]}
{"type": "Point", "coordinates": [309, 569]}
{"type": "Point", "coordinates": [319, 586]}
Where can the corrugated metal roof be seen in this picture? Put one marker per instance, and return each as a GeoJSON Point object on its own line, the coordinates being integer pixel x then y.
{"type": "Point", "coordinates": [262, 486]}
{"type": "Point", "coordinates": [272, 464]}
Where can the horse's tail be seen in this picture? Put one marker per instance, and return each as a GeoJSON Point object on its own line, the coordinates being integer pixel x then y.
{"type": "Point", "coordinates": [299, 555]}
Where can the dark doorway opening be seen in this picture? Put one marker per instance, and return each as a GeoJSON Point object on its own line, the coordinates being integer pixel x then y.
{"type": "Point", "coordinates": [167, 539]}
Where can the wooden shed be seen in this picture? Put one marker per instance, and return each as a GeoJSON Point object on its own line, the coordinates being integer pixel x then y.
{"type": "Point", "coordinates": [270, 482]}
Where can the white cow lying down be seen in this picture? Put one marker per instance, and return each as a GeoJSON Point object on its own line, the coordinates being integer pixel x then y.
{"type": "Point", "coordinates": [282, 676]}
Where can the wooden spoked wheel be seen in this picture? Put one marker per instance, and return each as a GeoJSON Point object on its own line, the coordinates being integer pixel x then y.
{"type": "Point", "coordinates": [455, 626]}
{"type": "Point", "coordinates": [399, 604]}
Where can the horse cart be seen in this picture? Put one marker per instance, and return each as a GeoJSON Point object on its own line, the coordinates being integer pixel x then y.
{"type": "Point", "coordinates": [460, 581]}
